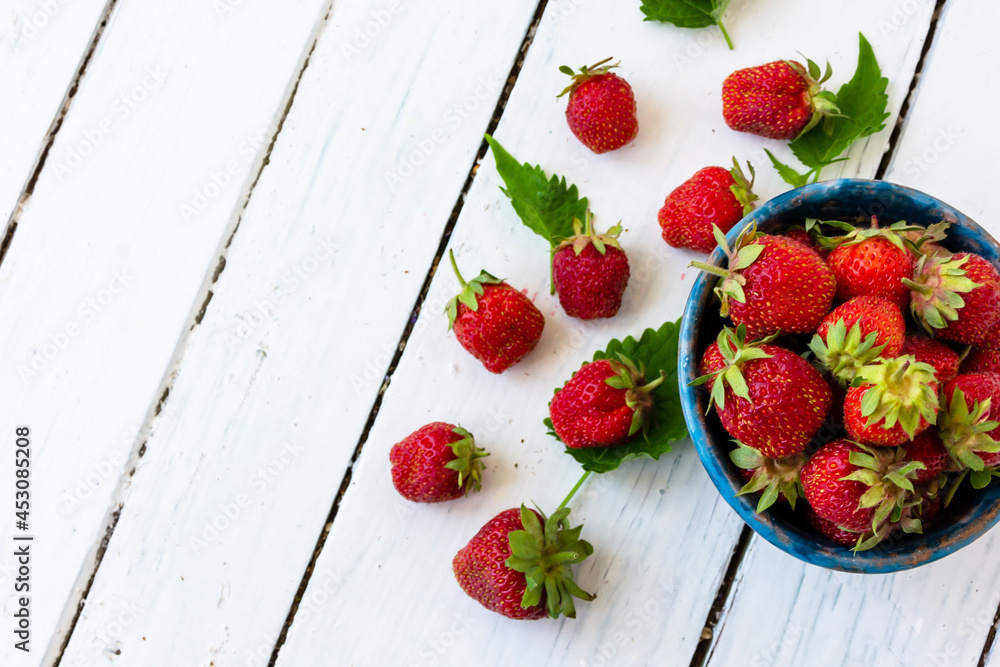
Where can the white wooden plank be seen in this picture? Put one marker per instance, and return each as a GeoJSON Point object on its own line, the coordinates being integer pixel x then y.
{"type": "Point", "coordinates": [42, 43]}
{"type": "Point", "coordinates": [938, 614]}
{"type": "Point", "coordinates": [277, 384]}
{"type": "Point", "coordinates": [103, 273]}
{"type": "Point", "coordinates": [662, 536]}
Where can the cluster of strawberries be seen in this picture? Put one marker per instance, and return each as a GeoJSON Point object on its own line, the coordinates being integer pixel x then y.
{"type": "Point", "coordinates": [906, 420]}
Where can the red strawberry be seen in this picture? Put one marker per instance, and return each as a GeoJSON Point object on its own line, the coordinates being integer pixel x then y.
{"type": "Point", "coordinates": [604, 404]}
{"type": "Point", "coordinates": [435, 463]}
{"type": "Point", "coordinates": [872, 261]}
{"type": "Point", "coordinates": [493, 321]}
{"type": "Point", "coordinates": [712, 196]}
{"type": "Point", "coordinates": [979, 360]}
{"type": "Point", "coordinates": [969, 419]}
{"type": "Point", "coordinates": [934, 352]}
{"type": "Point", "coordinates": [518, 564]}
{"type": "Point", "coordinates": [859, 488]}
{"type": "Point", "coordinates": [802, 236]}
{"type": "Point", "coordinates": [891, 401]}
{"type": "Point", "coordinates": [601, 109]}
{"type": "Point", "coordinates": [857, 332]}
{"type": "Point", "coordinates": [991, 341]}
{"type": "Point", "coordinates": [590, 272]}
{"type": "Point", "coordinates": [831, 530]}
{"type": "Point", "coordinates": [929, 450]}
{"type": "Point", "coordinates": [772, 284]}
{"type": "Point", "coordinates": [767, 397]}
{"type": "Point", "coordinates": [778, 100]}
{"type": "Point", "coordinates": [956, 298]}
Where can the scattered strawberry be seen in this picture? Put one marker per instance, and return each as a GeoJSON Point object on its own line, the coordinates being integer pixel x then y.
{"type": "Point", "coordinates": [970, 420]}
{"type": "Point", "coordinates": [772, 284]}
{"type": "Point", "coordinates": [493, 321]}
{"type": "Point", "coordinates": [437, 462]}
{"type": "Point", "coordinates": [601, 109]}
{"type": "Point", "coordinates": [856, 333]}
{"type": "Point", "coordinates": [891, 401]}
{"type": "Point", "coordinates": [590, 272]}
{"type": "Point", "coordinates": [604, 404]}
{"type": "Point", "coordinates": [979, 360]}
{"type": "Point", "coordinates": [777, 479]}
{"type": "Point", "coordinates": [872, 261]}
{"type": "Point", "coordinates": [956, 298]}
{"type": "Point", "coordinates": [767, 397]}
{"type": "Point", "coordinates": [518, 564]}
{"type": "Point", "coordinates": [927, 448]}
{"type": "Point", "coordinates": [779, 100]}
{"type": "Point", "coordinates": [934, 352]}
{"type": "Point", "coordinates": [712, 196]}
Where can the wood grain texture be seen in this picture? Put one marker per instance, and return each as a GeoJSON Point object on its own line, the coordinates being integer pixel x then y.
{"type": "Point", "coordinates": [275, 389]}
{"type": "Point", "coordinates": [938, 614]}
{"type": "Point", "coordinates": [662, 537]}
{"type": "Point", "coordinates": [101, 279]}
{"type": "Point", "coordinates": [42, 43]}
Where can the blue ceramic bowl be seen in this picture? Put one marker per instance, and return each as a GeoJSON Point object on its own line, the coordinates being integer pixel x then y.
{"type": "Point", "coordinates": [971, 513]}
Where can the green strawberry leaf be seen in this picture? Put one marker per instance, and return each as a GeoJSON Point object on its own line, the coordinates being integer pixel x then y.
{"type": "Point", "coordinates": [862, 102]}
{"type": "Point", "coordinates": [545, 205]}
{"type": "Point", "coordinates": [687, 13]}
{"type": "Point", "coordinates": [657, 351]}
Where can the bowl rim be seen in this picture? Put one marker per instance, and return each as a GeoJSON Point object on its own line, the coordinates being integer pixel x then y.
{"type": "Point", "coordinates": [921, 549]}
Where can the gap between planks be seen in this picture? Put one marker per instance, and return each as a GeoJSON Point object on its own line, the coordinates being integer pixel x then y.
{"type": "Point", "coordinates": [449, 227]}
{"type": "Point", "coordinates": [703, 652]}
{"type": "Point", "coordinates": [197, 313]}
{"type": "Point", "coordinates": [54, 127]}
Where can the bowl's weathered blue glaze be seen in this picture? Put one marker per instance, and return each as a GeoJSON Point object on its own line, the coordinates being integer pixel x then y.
{"type": "Point", "coordinates": [971, 513]}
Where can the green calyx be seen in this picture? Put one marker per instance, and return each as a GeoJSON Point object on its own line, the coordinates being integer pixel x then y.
{"type": "Point", "coordinates": [742, 187]}
{"type": "Point", "coordinates": [736, 352]}
{"type": "Point", "coordinates": [584, 235]}
{"type": "Point", "coordinates": [843, 351]}
{"type": "Point", "coordinates": [902, 391]}
{"type": "Point", "coordinates": [772, 477]}
{"type": "Point", "coordinates": [936, 290]}
{"type": "Point", "coordinates": [585, 73]}
{"type": "Point", "coordinates": [898, 233]}
{"type": "Point", "coordinates": [471, 291]}
{"type": "Point", "coordinates": [965, 432]}
{"type": "Point", "coordinates": [824, 102]}
{"type": "Point", "coordinates": [888, 473]}
{"type": "Point", "coordinates": [638, 394]}
{"type": "Point", "coordinates": [466, 462]}
{"type": "Point", "coordinates": [545, 554]}
{"type": "Point", "coordinates": [743, 253]}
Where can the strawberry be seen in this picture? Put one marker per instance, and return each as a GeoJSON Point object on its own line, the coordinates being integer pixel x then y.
{"type": "Point", "coordinates": [832, 531]}
{"type": "Point", "coordinates": [871, 261]}
{"type": "Point", "coordinates": [604, 404]}
{"type": "Point", "coordinates": [779, 100]}
{"type": "Point", "coordinates": [956, 298]}
{"type": "Point", "coordinates": [991, 341]}
{"type": "Point", "coordinates": [778, 479]}
{"type": "Point", "coordinates": [590, 272]}
{"type": "Point", "coordinates": [970, 420]}
{"type": "Point", "coordinates": [437, 462]}
{"type": "Point", "coordinates": [601, 108]}
{"type": "Point", "coordinates": [767, 397]}
{"type": "Point", "coordinates": [805, 238]}
{"type": "Point", "coordinates": [979, 360]}
{"type": "Point", "coordinates": [859, 488]}
{"type": "Point", "coordinates": [518, 564]}
{"type": "Point", "coordinates": [890, 401]}
{"type": "Point", "coordinates": [493, 321]}
{"type": "Point", "coordinates": [712, 196]}
{"type": "Point", "coordinates": [772, 284]}
{"type": "Point", "coordinates": [934, 352]}
{"type": "Point", "coordinates": [927, 448]}
{"type": "Point", "coordinates": [857, 332]}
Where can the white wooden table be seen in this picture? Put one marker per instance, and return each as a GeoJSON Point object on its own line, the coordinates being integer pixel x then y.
{"type": "Point", "coordinates": [225, 219]}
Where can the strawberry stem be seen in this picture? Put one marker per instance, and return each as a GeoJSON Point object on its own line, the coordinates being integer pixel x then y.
{"type": "Point", "coordinates": [454, 265]}
{"type": "Point", "coordinates": [573, 492]}
{"type": "Point", "coordinates": [725, 34]}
